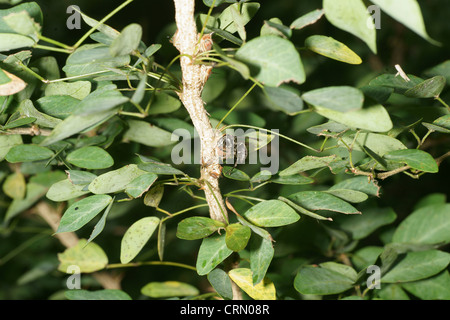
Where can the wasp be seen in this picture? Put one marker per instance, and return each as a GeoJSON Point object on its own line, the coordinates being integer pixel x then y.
{"type": "Point", "coordinates": [230, 150]}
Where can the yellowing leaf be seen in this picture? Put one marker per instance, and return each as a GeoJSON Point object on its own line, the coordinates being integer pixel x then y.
{"type": "Point", "coordinates": [89, 258]}
{"type": "Point", "coordinates": [264, 290]}
{"type": "Point", "coordinates": [12, 87]}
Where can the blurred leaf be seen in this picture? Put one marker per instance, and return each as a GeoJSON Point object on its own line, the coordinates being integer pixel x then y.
{"type": "Point", "coordinates": [154, 195]}
{"type": "Point", "coordinates": [284, 100]}
{"type": "Point", "coordinates": [147, 134]}
{"type": "Point", "coordinates": [88, 257]}
{"type": "Point", "coordinates": [342, 99]}
{"type": "Point", "coordinates": [234, 174]}
{"type": "Point", "coordinates": [359, 184]}
{"type": "Point", "coordinates": [428, 225]}
{"type": "Point", "coordinates": [307, 163]}
{"type": "Point", "coordinates": [417, 265]}
{"type": "Point", "coordinates": [307, 19]}
{"type": "Point", "coordinates": [408, 13]}
{"type": "Point", "coordinates": [434, 288]}
{"type": "Point", "coordinates": [321, 281]}
{"type": "Point", "coordinates": [227, 19]}
{"type": "Point", "coordinates": [352, 196]}
{"type": "Point", "coordinates": [15, 186]}
{"type": "Point", "coordinates": [154, 166]}
{"type": "Point", "coordinates": [106, 294]}
{"type": "Point", "coordinates": [169, 289]}
{"type": "Point", "coordinates": [136, 237]}
{"type": "Point", "coordinates": [331, 48]}
{"type": "Point", "coordinates": [33, 193]}
{"type": "Point", "coordinates": [127, 41]}
{"type": "Point", "coordinates": [7, 142]}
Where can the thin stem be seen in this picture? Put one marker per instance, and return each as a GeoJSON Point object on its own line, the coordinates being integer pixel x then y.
{"type": "Point", "coordinates": [112, 13]}
{"type": "Point", "coordinates": [443, 103]}
{"type": "Point", "coordinates": [56, 43]}
{"type": "Point", "coordinates": [40, 46]}
{"type": "Point", "coordinates": [271, 132]}
{"type": "Point", "coordinates": [150, 263]}
{"type": "Point", "coordinates": [236, 104]}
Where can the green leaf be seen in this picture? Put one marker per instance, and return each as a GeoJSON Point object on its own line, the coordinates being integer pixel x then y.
{"type": "Point", "coordinates": [352, 16]}
{"type": "Point", "coordinates": [237, 236]}
{"type": "Point", "coordinates": [264, 290]}
{"type": "Point", "coordinates": [153, 166]}
{"type": "Point", "coordinates": [22, 121]}
{"type": "Point", "coordinates": [307, 19]}
{"type": "Point", "coordinates": [169, 289]}
{"type": "Point", "coordinates": [65, 190]}
{"type": "Point", "coordinates": [98, 228]}
{"type": "Point", "coordinates": [32, 8]}
{"type": "Point", "coordinates": [295, 179]}
{"type": "Point", "coordinates": [209, 3]}
{"type": "Point", "coordinates": [271, 213]}
{"type": "Point", "coordinates": [395, 82]}
{"type": "Point", "coordinates": [136, 237]}
{"type": "Point", "coordinates": [261, 254]}
{"type": "Point", "coordinates": [359, 184]}
{"type": "Point", "coordinates": [127, 41]}
{"type": "Point", "coordinates": [82, 211]}
{"type": "Point", "coordinates": [284, 99]}
{"type": "Point", "coordinates": [213, 251]}
{"type": "Point", "coordinates": [316, 200]}
{"type": "Point", "coordinates": [307, 163]}
{"type": "Point", "coordinates": [79, 177]}
{"type": "Point", "coordinates": [379, 143]}
{"type": "Point", "coordinates": [10, 41]}
{"type": "Point", "coordinates": [141, 184]}
{"type": "Point", "coordinates": [26, 109]}
{"type": "Point", "coordinates": [116, 180]}
{"type": "Point", "coordinates": [342, 99]}
{"type": "Point", "coordinates": [93, 58]}
{"type": "Point", "coordinates": [106, 294]}
{"type": "Point", "coordinates": [77, 89]}
{"type": "Point", "coordinates": [274, 60]}
{"type": "Point", "coordinates": [416, 159]}
{"type": "Point", "coordinates": [15, 186]}
{"type": "Point", "coordinates": [22, 23]}
{"type": "Point", "coordinates": [434, 288]}
{"type": "Point", "coordinates": [408, 13]}
{"type": "Point", "coordinates": [360, 226]}
{"type": "Point", "coordinates": [417, 265]}
{"type": "Point", "coordinates": [154, 195]}
{"type": "Point", "coordinates": [59, 106]}
{"type": "Point", "coordinates": [221, 282]}
{"type": "Point", "coordinates": [194, 228]}
{"type": "Point", "coordinates": [90, 157]}
{"type": "Point", "coordinates": [372, 118]}
{"type": "Point", "coordinates": [352, 196]}
{"type": "Point", "coordinates": [28, 153]}
{"type": "Point", "coordinates": [430, 88]}
{"type": "Point", "coordinates": [148, 134]}
{"type": "Point", "coordinates": [234, 174]}
{"type": "Point", "coordinates": [275, 26]}
{"type": "Point", "coordinates": [321, 281]}
{"type": "Point", "coordinates": [442, 69]}
{"type": "Point", "coordinates": [88, 257]}
{"type": "Point", "coordinates": [7, 142]}
{"type": "Point", "coordinates": [164, 103]}
{"type": "Point", "coordinates": [104, 98]}
{"type": "Point", "coordinates": [428, 225]}
{"type": "Point", "coordinates": [331, 48]}
{"type": "Point", "coordinates": [75, 124]}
